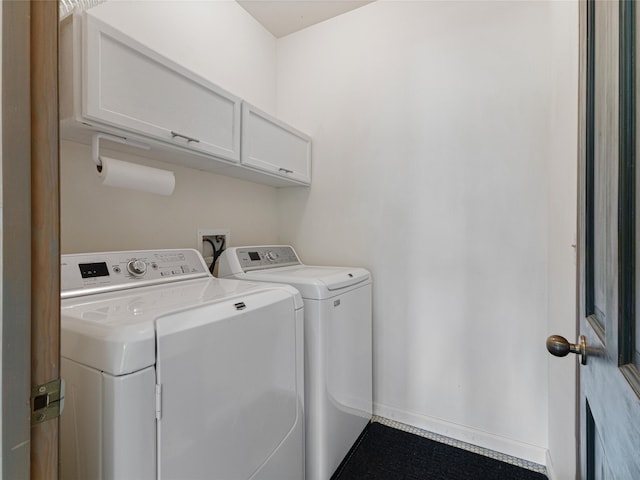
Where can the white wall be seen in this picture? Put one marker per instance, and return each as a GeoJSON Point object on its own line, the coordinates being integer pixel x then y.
{"type": "Point", "coordinates": [98, 218]}
{"type": "Point", "coordinates": [431, 168]}
{"type": "Point", "coordinates": [221, 42]}
{"type": "Point", "coordinates": [562, 205]}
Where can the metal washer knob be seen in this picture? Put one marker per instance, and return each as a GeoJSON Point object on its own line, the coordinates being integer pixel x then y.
{"type": "Point", "coordinates": [137, 267]}
{"type": "Point", "coordinates": [271, 256]}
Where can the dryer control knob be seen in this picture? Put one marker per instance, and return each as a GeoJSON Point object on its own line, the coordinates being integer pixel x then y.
{"type": "Point", "coordinates": [137, 267]}
{"type": "Point", "coordinates": [271, 256]}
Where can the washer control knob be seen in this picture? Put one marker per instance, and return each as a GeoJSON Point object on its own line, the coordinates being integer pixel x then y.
{"type": "Point", "coordinates": [137, 267]}
{"type": "Point", "coordinates": [271, 256]}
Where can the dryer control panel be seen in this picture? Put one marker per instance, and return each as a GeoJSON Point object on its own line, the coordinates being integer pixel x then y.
{"type": "Point", "coordinates": [245, 259]}
{"type": "Point", "coordinates": [88, 273]}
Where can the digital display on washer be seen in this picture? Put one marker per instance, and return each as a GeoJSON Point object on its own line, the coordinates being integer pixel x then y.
{"type": "Point", "coordinates": [254, 256]}
{"type": "Point", "coordinates": [91, 270]}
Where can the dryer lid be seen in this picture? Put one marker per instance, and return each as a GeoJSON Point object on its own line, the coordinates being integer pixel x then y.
{"type": "Point", "coordinates": [314, 282]}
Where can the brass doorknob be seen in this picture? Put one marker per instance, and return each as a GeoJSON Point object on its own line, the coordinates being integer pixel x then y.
{"type": "Point", "coordinates": [560, 347]}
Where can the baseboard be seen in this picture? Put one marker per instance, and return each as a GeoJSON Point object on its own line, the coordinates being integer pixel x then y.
{"type": "Point", "coordinates": [507, 446]}
{"type": "Point", "coordinates": [561, 471]}
{"type": "Point", "coordinates": [551, 475]}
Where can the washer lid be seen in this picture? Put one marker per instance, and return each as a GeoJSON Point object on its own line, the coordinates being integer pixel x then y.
{"type": "Point", "coordinates": [232, 389]}
{"type": "Point", "coordinates": [115, 332]}
{"type": "Point", "coordinates": [313, 282]}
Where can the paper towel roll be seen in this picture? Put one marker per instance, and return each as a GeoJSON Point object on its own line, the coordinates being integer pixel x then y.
{"type": "Point", "coordinates": [117, 173]}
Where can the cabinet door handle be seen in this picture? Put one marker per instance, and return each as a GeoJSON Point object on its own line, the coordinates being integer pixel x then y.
{"type": "Point", "coordinates": [188, 139]}
{"type": "Point", "coordinates": [285, 170]}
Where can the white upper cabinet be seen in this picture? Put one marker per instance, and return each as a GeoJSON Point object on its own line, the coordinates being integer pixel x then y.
{"type": "Point", "coordinates": [124, 84]}
{"type": "Point", "coordinates": [111, 83]}
{"type": "Point", "coordinates": [272, 146]}
{"type": "Point", "coordinates": [131, 86]}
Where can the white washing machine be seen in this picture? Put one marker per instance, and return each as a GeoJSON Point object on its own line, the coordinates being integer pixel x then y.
{"type": "Point", "coordinates": [337, 324]}
{"type": "Point", "coordinates": [172, 374]}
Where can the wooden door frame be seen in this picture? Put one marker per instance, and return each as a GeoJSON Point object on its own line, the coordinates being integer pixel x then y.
{"type": "Point", "coordinates": [45, 227]}
{"type": "Point", "coordinates": [31, 233]}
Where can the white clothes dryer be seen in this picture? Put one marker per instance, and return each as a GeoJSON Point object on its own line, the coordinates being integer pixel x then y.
{"type": "Point", "coordinates": [338, 357]}
{"type": "Point", "coordinates": [173, 374]}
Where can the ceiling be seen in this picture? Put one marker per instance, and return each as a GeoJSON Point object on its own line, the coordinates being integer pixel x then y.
{"type": "Point", "coordinates": [282, 17]}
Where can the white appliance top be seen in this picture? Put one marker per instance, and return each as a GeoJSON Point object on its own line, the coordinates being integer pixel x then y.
{"type": "Point", "coordinates": [281, 264]}
{"type": "Point", "coordinates": [109, 312]}
{"type": "Point", "coordinates": [86, 273]}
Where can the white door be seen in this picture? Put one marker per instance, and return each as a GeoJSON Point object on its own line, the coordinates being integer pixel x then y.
{"type": "Point", "coordinates": [29, 319]}
{"type": "Point", "coordinates": [15, 317]}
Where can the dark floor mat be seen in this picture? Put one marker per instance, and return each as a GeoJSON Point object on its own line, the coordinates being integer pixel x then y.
{"type": "Point", "coordinates": [385, 453]}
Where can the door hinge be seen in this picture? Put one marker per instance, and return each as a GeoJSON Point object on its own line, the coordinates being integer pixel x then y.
{"type": "Point", "coordinates": [158, 402]}
{"type": "Point", "coordinates": [47, 401]}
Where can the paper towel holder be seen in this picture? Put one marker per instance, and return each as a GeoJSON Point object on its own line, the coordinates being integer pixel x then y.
{"type": "Point", "coordinates": [95, 145]}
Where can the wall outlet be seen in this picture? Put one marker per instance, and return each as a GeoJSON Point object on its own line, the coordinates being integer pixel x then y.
{"type": "Point", "coordinates": [215, 236]}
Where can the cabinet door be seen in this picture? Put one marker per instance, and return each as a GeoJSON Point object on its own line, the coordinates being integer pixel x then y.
{"type": "Point", "coordinates": [129, 86]}
{"type": "Point", "coordinates": [272, 146]}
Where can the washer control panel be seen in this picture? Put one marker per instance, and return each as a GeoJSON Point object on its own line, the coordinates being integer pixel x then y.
{"type": "Point", "coordinates": [87, 273]}
{"type": "Point", "coordinates": [254, 258]}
